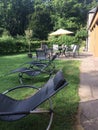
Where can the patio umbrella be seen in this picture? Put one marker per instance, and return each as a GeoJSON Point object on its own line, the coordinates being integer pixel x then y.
{"type": "Point", "coordinates": [60, 32]}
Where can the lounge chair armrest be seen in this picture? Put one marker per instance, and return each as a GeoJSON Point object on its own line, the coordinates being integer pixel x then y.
{"type": "Point", "coordinates": [18, 87]}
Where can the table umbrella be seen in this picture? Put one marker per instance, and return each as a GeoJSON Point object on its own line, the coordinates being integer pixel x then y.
{"type": "Point", "coordinates": [60, 32]}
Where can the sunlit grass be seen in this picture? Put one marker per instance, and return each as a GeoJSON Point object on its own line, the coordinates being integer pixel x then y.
{"type": "Point", "coordinates": [65, 102]}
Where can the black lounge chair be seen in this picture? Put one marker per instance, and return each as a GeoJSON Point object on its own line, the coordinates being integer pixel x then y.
{"type": "Point", "coordinates": [42, 63]}
{"type": "Point", "coordinates": [12, 109]}
{"type": "Point", "coordinates": [42, 54]}
{"type": "Point", "coordinates": [35, 68]}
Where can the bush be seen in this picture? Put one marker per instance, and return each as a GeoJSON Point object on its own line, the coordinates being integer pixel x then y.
{"type": "Point", "coordinates": [6, 44]}
{"type": "Point", "coordinates": [10, 45]}
{"type": "Point", "coordinates": [63, 39]}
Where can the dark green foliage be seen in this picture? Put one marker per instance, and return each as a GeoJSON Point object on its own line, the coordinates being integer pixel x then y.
{"type": "Point", "coordinates": [41, 24]}
{"type": "Point", "coordinates": [10, 45]}
{"type": "Point", "coordinates": [81, 34]}
{"type": "Point", "coordinates": [43, 15]}
{"type": "Point", "coordinates": [14, 15]}
{"type": "Point", "coordinates": [1, 31]}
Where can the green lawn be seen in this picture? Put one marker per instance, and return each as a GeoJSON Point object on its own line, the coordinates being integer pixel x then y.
{"type": "Point", "coordinates": [65, 102]}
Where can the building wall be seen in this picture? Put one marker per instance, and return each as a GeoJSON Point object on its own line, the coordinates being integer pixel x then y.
{"type": "Point", "coordinates": [93, 36]}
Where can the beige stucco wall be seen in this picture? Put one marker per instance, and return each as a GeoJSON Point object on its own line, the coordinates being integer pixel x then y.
{"type": "Point", "coordinates": [93, 36]}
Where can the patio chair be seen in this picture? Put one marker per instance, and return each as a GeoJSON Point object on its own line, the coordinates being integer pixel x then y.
{"type": "Point", "coordinates": [72, 51]}
{"type": "Point", "coordinates": [12, 109]}
{"type": "Point", "coordinates": [75, 51]}
{"type": "Point", "coordinates": [35, 69]}
{"type": "Point", "coordinates": [55, 48]}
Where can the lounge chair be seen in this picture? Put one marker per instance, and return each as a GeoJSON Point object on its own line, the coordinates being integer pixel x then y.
{"type": "Point", "coordinates": [42, 55]}
{"type": "Point", "coordinates": [42, 63]}
{"type": "Point", "coordinates": [12, 109]}
{"type": "Point", "coordinates": [35, 69]}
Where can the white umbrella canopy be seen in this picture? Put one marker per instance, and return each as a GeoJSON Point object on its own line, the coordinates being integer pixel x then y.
{"type": "Point", "coordinates": [60, 32]}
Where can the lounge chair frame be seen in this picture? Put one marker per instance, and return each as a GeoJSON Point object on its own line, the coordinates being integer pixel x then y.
{"type": "Point", "coordinates": [35, 68]}
{"type": "Point", "coordinates": [42, 55]}
{"type": "Point", "coordinates": [36, 111]}
{"type": "Point", "coordinates": [53, 85]}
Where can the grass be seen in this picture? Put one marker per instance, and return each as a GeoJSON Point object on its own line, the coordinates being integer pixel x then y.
{"type": "Point", "coordinates": [65, 102]}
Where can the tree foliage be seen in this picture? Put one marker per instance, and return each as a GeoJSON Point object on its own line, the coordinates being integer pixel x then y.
{"type": "Point", "coordinates": [43, 16]}
{"type": "Point", "coordinates": [41, 24]}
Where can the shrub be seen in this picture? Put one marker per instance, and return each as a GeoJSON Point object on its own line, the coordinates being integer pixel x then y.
{"type": "Point", "coordinates": [12, 45]}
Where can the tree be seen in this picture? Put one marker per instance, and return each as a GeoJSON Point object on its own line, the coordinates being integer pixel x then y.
{"type": "Point", "coordinates": [15, 15]}
{"type": "Point", "coordinates": [18, 13]}
{"type": "Point", "coordinates": [81, 34]}
{"type": "Point", "coordinates": [68, 14]}
{"type": "Point", "coordinates": [43, 15]}
{"type": "Point", "coordinates": [29, 34]}
{"type": "Point", "coordinates": [41, 24]}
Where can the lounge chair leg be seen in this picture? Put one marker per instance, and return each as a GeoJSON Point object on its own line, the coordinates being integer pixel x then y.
{"type": "Point", "coordinates": [20, 78]}
{"type": "Point", "coordinates": [51, 112]}
{"type": "Point", "coordinates": [50, 122]}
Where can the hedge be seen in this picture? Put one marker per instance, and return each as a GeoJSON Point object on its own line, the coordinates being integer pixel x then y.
{"type": "Point", "coordinates": [10, 45]}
